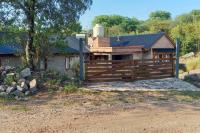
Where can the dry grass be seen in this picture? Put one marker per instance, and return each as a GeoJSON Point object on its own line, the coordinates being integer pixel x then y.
{"type": "Point", "coordinates": [87, 98]}
{"type": "Point", "coordinates": [191, 63]}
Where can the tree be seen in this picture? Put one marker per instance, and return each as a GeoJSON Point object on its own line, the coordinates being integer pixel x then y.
{"type": "Point", "coordinates": [117, 24]}
{"type": "Point", "coordinates": [154, 26]}
{"type": "Point", "coordinates": [189, 35]}
{"type": "Point", "coordinates": [129, 25]}
{"type": "Point", "coordinates": [108, 21]}
{"type": "Point", "coordinates": [28, 14]}
{"type": "Point", "coordinates": [191, 17]}
{"type": "Point", "coordinates": [160, 15]}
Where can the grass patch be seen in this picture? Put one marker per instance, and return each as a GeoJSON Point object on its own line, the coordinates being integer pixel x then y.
{"type": "Point", "coordinates": [71, 88]}
{"type": "Point", "coordinates": [192, 63]}
{"type": "Point", "coordinates": [22, 108]}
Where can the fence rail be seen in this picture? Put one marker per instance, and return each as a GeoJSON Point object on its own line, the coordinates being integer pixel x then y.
{"type": "Point", "coordinates": [113, 70]}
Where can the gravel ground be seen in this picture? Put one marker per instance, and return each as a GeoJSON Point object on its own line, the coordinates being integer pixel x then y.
{"type": "Point", "coordinates": [154, 84]}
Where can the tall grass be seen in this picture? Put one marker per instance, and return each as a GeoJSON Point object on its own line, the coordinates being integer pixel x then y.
{"type": "Point", "coordinates": [193, 63]}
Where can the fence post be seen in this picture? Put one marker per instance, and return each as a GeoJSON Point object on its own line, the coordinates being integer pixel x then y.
{"type": "Point", "coordinates": [177, 56]}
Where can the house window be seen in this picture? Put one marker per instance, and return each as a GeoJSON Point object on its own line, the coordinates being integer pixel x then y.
{"type": "Point", "coordinates": [67, 62]}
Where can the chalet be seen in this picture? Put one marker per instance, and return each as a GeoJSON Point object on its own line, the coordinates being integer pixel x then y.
{"type": "Point", "coordinates": [146, 46]}
{"type": "Point", "coordinates": [131, 57]}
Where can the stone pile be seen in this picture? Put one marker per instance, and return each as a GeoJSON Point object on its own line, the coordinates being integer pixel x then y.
{"type": "Point", "coordinates": [17, 84]}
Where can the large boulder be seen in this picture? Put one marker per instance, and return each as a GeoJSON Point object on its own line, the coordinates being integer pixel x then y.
{"type": "Point", "coordinates": [2, 88]}
{"type": "Point", "coordinates": [33, 83]}
{"type": "Point", "coordinates": [21, 88]}
{"type": "Point", "coordinates": [18, 93]}
{"type": "Point", "coordinates": [25, 73]}
{"type": "Point", "coordinates": [33, 86]}
{"type": "Point", "coordinates": [3, 94]}
{"type": "Point", "coordinates": [10, 89]}
{"type": "Point", "coordinates": [27, 93]}
{"type": "Point", "coordinates": [24, 85]}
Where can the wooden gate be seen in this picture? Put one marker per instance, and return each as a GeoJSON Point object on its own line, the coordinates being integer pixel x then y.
{"type": "Point", "coordinates": [115, 70]}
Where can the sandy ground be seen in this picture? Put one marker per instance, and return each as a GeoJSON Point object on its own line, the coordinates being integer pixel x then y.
{"type": "Point", "coordinates": [60, 115]}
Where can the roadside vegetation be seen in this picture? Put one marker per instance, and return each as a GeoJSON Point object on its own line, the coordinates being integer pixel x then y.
{"type": "Point", "coordinates": [190, 63]}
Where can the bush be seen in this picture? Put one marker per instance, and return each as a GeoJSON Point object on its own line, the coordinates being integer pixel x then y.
{"type": "Point", "coordinates": [70, 88]}
{"type": "Point", "coordinates": [9, 79]}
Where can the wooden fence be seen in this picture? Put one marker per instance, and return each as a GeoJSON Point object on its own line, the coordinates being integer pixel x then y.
{"type": "Point", "coordinates": [115, 70]}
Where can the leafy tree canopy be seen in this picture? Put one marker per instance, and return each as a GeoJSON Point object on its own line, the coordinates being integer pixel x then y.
{"type": "Point", "coordinates": [160, 15]}
{"type": "Point", "coordinates": [38, 15]}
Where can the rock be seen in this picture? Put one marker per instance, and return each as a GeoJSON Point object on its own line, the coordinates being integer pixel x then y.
{"type": "Point", "coordinates": [21, 80]}
{"type": "Point", "coordinates": [24, 86]}
{"type": "Point", "coordinates": [10, 74]}
{"type": "Point", "coordinates": [8, 68]}
{"type": "Point", "coordinates": [33, 84]}
{"type": "Point", "coordinates": [25, 73]}
{"type": "Point", "coordinates": [27, 82]}
{"type": "Point", "coordinates": [18, 93]}
{"type": "Point", "coordinates": [17, 76]}
{"type": "Point", "coordinates": [21, 89]}
{"type": "Point", "coordinates": [10, 89]}
{"type": "Point", "coordinates": [18, 98]}
{"type": "Point", "coordinates": [14, 84]}
{"type": "Point", "coordinates": [27, 93]}
{"type": "Point", "coordinates": [3, 73]}
{"type": "Point", "coordinates": [3, 94]}
{"type": "Point", "coordinates": [33, 90]}
{"type": "Point", "coordinates": [2, 88]}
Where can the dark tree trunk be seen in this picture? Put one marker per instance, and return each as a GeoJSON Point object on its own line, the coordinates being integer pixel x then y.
{"type": "Point", "coordinates": [31, 32]}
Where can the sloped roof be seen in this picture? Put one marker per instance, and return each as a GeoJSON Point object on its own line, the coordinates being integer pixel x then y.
{"type": "Point", "coordinates": [6, 49]}
{"type": "Point", "coordinates": [68, 50]}
{"type": "Point", "coordinates": [72, 45]}
{"type": "Point", "coordinates": [146, 40]}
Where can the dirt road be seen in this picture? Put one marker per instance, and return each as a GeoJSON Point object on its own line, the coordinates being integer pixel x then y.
{"type": "Point", "coordinates": [57, 116]}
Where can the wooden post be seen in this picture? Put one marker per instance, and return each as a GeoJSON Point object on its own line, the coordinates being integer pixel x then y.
{"type": "Point", "coordinates": [177, 56]}
{"type": "Point", "coordinates": [81, 59]}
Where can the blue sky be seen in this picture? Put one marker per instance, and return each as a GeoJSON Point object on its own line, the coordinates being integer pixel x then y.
{"type": "Point", "coordinates": [137, 8]}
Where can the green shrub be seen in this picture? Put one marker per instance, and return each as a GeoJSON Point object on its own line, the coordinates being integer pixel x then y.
{"type": "Point", "coordinates": [9, 79]}
{"type": "Point", "coordinates": [64, 78]}
{"type": "Point", "coordinates": [70, 88]}
{"type": "Point", "coordinates": [54, 81]}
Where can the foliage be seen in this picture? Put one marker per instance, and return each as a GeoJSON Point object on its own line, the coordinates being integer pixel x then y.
{"type": "Point", "coordinates": [117, 24]}
{"type": "Point", "coordinates": [71, 87]}
{"type": "Point", "coordinates": [189, 35]}
{"type": "Point", "coordinates": [9, 79]}
{"type": "Point", "coordinates": [160, 15]}
{"type": "Point", "coordinates": [45, 14]}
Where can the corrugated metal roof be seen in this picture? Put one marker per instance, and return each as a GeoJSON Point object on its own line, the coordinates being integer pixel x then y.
{"type": "Point", "coordinates": [146, 40]}
{"type": "Point", "coordinates": [10, 49]}
{"type": "Point", "coordinates": [72, 45]}
{"type": "Point", "coordinates": [67, 50]}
